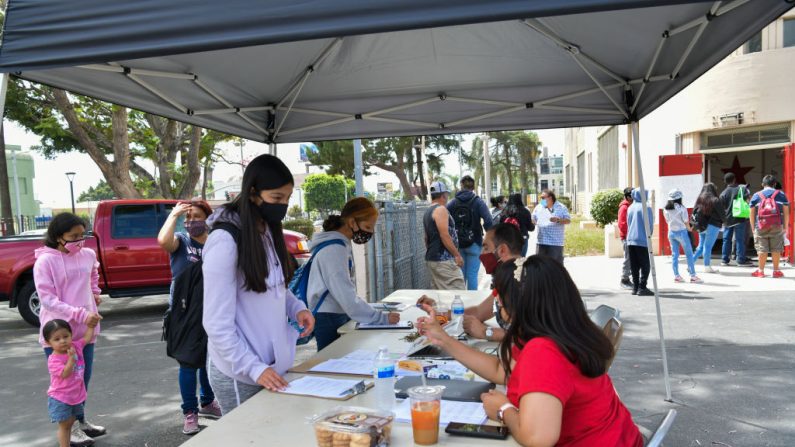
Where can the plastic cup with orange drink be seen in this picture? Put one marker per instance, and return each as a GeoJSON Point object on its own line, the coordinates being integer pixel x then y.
{"type": "Point", "coordinates": [426, 403]}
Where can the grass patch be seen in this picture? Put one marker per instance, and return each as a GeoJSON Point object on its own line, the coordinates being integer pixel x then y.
{"type": "Point", "coordinates": [586, 242]}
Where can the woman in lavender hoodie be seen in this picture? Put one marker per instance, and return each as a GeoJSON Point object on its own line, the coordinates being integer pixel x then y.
{"type": "Point", "coordinates": [250, 344]}
{"type": "Point", "coordinates": [67, 282]}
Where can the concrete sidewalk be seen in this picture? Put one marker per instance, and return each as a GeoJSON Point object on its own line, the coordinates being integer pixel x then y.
{"type": "Point", "coordinates": [730, 347]}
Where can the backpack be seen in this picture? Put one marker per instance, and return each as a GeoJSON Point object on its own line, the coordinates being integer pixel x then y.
{"type": "Point", "coordinates": [699, 220]}
{"type": "Point", "coordinates": [299, 286]}
{"type": "Point", "coordinates": [768, 214]}
{"type": "Point", "coordinates": [740, 208]}
{"type": "Point", "coordinates": [464, 222]}
{"type": "Point", "coordinates": [186, 340]}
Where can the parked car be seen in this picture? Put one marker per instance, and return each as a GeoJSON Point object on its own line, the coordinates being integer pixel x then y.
{"type": "Point", "coordinates": [124, 237]}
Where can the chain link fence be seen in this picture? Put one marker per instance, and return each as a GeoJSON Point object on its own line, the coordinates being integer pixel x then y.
{"type": "Point", "coordinates": [396, 254]}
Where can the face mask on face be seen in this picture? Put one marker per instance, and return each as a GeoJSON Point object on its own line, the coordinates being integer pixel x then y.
{"type": "Point", "coordinates": [361, 236]}
{"type": "Point", "coordinates": [74, 246]}
{"type": "Point", "coordinates": [490, 262]}
{"type": "Point", "coordinates": [498, 315]}
{"type": "Point", "coordinates": [272, 213]}
{"type": "Point", "coordinates": [196, 227]}
{"type": "Point", "coordinates": [544, 203]}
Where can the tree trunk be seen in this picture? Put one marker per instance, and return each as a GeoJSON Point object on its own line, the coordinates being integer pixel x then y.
{"type": "Point", "coordinates": [5, 188]}
{"type": "Point", "coordinates": [421, 171]}
{"type": "Point", "coordinates": [117, 172]}
{"type": "Point", "coordinates": [400, 173]}
{"type": "Point", "coordinates": [207, 176]}
{"type": "Point", "coordinates": [508, 171]}
{"type": "Point", "coordinates": [191, 162]}
{"type": "Point", "coordinates": [523, 171]}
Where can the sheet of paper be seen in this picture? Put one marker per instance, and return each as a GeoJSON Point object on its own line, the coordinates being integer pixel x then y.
{"type": "Point", "coordinates": [320, 386]}
{"type": "Point", "coordinates": [390, 307]}
{"type": "Point", "coordinates": [542, 215]}
{"type": "Point", "coordinates": [398, 325]}
{"type": "Point", "coordinates": [364, 354]}
{"type": "Point", "coordinates": [345, 366]}
{"type": "Point", "coordinates": [452, 411]}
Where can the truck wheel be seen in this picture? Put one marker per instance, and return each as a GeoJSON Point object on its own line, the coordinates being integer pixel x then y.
{"type": "Point", "coordinates": [29, 304]}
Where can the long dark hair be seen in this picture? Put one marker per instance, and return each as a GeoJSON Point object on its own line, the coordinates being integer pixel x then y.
{"type": "Point", "coordinates": [60, 225]}
{"type": "Point", "coordinates": [708, 198]}
{"type": "Point", "coordinates": [252, 259]}
{"type": "Point", "coordinates": [546, 303]}
{"type": "Point", "coordinates": [672, 204]}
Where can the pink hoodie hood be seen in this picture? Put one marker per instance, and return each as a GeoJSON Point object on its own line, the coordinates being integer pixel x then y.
{"type": "Point", "coordinates": [66, 284]}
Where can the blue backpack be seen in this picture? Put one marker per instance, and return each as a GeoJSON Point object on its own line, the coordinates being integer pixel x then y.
{"type": "Point", "coordinates": [300, 284]}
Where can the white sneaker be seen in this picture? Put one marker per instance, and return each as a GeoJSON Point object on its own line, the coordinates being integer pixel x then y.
{"type": "Point", "coordinates": [91, 429]}
{"type": "Point", "coordinates": [79, 438]}
{"type": "Point", "coordinates": [709, 269]}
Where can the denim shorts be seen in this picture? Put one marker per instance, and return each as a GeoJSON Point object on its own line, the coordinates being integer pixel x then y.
{"type": "Point", "coordinates": [60, 411]}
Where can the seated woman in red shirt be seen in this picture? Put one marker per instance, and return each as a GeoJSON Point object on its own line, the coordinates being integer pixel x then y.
{"type": "Point", "coordinates": [553, 360]}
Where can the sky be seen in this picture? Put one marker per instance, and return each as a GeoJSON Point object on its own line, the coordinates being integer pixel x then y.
{"type": "Point", "coordinates": [51, 187]}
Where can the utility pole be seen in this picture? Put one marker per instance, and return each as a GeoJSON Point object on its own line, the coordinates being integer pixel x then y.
{"type": "Point", "coordinates": [486, 166]}
{"type": "Point", "coordinates": [358, 168]}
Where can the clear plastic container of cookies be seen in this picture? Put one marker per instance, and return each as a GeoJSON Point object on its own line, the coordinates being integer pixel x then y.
{"type": "Point", "coordinates": [353, 427]}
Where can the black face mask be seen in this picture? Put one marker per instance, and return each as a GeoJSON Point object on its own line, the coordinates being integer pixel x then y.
{"type": "Point", "coordinates": [498, 315]}
{"type": "Point", "coordinates": [272, 213]}
{"type": "Point", "coordinates": [361, 237]}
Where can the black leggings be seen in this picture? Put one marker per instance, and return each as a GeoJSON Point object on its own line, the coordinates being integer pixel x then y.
{"type": "Point", "coordinates": [639, 264]}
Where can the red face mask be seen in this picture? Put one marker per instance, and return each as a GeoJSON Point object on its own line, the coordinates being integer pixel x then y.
{"type": "Point", "coordinates": [490, 262]}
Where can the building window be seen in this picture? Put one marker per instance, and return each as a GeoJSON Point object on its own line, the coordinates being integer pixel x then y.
{"type": "Point", "coordinates": [590, 172]}
{"type": "Point", "coordinates": [581, 172]}
{"type": "Point", "coordinates": [544, 166]}
{"type": "Point", "coordinates": [568, 176]}
{"type": "Point", "coordinates": [754, 44]}
{"type": "Point", "coordinates": [608, 159]}
{"type": "Point", "coordinates": [774, 133]}
{"type": "Point", "coordinates": [556, 165]}
{"type": "Point", "coordinates": [135, 221]}
{"type": "Point", "coordinates": [789, 33]}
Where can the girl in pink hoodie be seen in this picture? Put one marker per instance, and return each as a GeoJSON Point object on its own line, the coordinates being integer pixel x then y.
{"type": "Point", "coordinates": [67, 281]}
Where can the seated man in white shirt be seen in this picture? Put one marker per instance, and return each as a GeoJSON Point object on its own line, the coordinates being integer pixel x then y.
{"type": "Point", "coordinates": [502, 242]}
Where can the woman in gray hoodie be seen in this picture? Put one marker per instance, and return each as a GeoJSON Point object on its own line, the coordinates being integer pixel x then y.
{"type": "Point", "coordinates": [250, 344]}
{"type": "Point", "coordinates": [332, 272]}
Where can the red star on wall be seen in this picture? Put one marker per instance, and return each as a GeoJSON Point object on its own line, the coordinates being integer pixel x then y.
{"type": "Point", "coordinates": [739, 171]}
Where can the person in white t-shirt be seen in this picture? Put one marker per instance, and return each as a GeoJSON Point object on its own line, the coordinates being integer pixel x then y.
{"type": "Point", "coordinates": [678, 235]}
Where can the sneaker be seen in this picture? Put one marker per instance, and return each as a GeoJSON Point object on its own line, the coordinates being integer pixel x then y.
{"type": "Point", "coordinates": [78, 437]}
{"type": "Point", "coordinates": [645, 292]}
{"type": "Point", "coordinates": [758, 274]}
{"type": "Point", "coordinates": [91, 429]}
{"type": "Point", "coordinates": [745, 264]}
{"type": "Point", "coordinates": [709, 269]}
{"type": "Point", "coordinates": [679, 279]}
{"type": "Point", "coordinates": [191, 424]}
{"type": "Point", "coordinates": [626, 283]}
{"type": "Point", "coordinates": [211, 410]}
{"type": "Point", "coordinates": [696, 280]}
{"type": "Point", "coordinates": [634, 291]}
{"type": "Point", "coordinates": [778, 274]}
{"type": "Point", "coordinates": [725, 263]}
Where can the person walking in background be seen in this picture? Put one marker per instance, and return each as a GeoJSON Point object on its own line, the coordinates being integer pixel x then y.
{"type": "Point", "coordinates": [185, 248]}
{"type": "Point", "coordinates": [710, 216]}
{"type": "Point", "coordinates": [678, 228]}
{"type": "Point", "coordinates": [471, 216]}
{"type": "Point", "coordinates": [734, 227]}
{"type": "Point", "coordinates": [638, 245]}
{"type": "Point", "coordinates": [331, 288]}
{"type": "Point", "coordinates": [497, 205]}
{"type": "Point", "coordinates": [770, 209]}
{"type": "Point", "coordinates": [626, 272]}
{"type": "Point", "coordinates": [250, 342]}
{"type": "Point", "coordinates": [67, 280]}
{"type": "Point", "coordinates": [441, 242]}
{"type": "Point", "coordinates": [515, 213]}
{"type": "Point", "coordinates": [551, 217]}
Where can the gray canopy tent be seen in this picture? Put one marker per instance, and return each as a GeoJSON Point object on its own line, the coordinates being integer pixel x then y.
{"type": "Point", "coordinates": [279, 71]}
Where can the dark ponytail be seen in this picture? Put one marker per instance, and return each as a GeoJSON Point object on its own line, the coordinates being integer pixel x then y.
{"type": "Point", "coordinates": [359, 208]}
{"type": "Point", "coordinates": [332, 223]}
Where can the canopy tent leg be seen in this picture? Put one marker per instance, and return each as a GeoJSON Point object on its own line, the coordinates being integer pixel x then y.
{"type": "Point", "coordinates": [648, 225]}
{"type": "Point", "coordinates": [358, 167]}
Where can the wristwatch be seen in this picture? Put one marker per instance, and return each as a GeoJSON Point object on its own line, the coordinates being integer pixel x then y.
{"type": "Point", "coordinates": [489, 333]}
{"type": "Point", "coordinates": [504, 407]}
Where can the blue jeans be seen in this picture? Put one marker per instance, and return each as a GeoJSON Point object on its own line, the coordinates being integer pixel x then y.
{"type": "Point", "coordinates": [88, 358]}
{"type": "Point", "coordinates": [326, 325]}
{"type": "Point", "coordinates": [738, 231]}
{"type": "Point", "coordinates": [706, 242]}
{"type": "Point", "coordinates": [187, 387]}
{"type": "Point", "coordinates": [677, 239]}
{"type": "Point", "coordinates": [471, 266]}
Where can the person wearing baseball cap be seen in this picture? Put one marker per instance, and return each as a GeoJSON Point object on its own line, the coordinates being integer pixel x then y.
{"type": "Point", "coordinates": [441, 242]}
{"type": "Point", "coordinates": [678, 228]}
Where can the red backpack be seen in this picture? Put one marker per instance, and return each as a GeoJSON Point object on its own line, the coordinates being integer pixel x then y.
{"type": "Point", "coordinates": [769, 215]}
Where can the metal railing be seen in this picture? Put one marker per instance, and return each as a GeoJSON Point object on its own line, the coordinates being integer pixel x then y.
{"type": "Point", "coordinates": [396, 254]}
{"type": "Point", "coordinates": [19, 224]}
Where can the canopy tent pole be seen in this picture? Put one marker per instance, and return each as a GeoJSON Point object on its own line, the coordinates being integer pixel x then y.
{"type": "Point", "coordinates": [648, 225]}
{"type": "Point", "coordinates": [358, 167]}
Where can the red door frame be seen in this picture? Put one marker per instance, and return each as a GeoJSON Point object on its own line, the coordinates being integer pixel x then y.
{"type": "Point", "coordinates": [669, 165]}
{"type": "Point", "coordinates": [788, 184]}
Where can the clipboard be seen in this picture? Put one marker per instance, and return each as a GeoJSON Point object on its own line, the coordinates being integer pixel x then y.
{"type": "Point", "coordinates": [387, 327]}
{"type": "Point", "coordinates": [356, 390]}
{"type": "Point", "coordinates": [304, 368]}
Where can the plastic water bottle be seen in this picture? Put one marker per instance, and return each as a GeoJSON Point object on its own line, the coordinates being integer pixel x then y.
{"type": "Point", "coordinates": [384, 375]}
{"type": "Point", "coordinates": [458, 308]}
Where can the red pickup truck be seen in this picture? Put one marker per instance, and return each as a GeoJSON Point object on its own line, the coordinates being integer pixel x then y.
{"type": "Point", "coordinates": [125, 240]}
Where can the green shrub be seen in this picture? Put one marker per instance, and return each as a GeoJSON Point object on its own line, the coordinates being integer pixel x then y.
{"type": "Point", "coordinates": [604, 206]}
{"type": "Point", "coordinates": [304, 226]}
{"type": "Point", "coordinates": [566, 201]}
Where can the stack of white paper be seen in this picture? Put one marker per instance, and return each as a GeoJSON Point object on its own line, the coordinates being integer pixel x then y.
{"type": "Point", "coordinates": [451, 411]}
{"type": "Point", "coordinates": [320, 387]}
{"type": "Point", "coordinates": [345, 366]}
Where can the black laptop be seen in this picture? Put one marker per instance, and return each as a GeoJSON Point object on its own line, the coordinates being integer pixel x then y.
{"type": "Point", "coordinates": [459, 390]}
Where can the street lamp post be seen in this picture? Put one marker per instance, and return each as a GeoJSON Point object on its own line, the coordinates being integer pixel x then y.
{"type": "Point", "coordinates": [71, 177]}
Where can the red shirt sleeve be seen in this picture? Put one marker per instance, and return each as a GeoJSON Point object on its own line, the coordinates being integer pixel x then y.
{"type": "Point", "coordinates": [541, 368]}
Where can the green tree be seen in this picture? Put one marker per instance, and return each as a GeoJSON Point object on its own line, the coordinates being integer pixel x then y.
{"type": "Point", "coordinates": [116, 139]}
{"type": "Point", "coordinates": [604, 206]}
{"type": "Point", "coordinates": [295, 212]}
{"type": "Point", "coordinates": [327, 193]}
{"type": "Point", "coordinates": [513, 157]}
{"type": "Point", "coordinates": [96, 193]}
